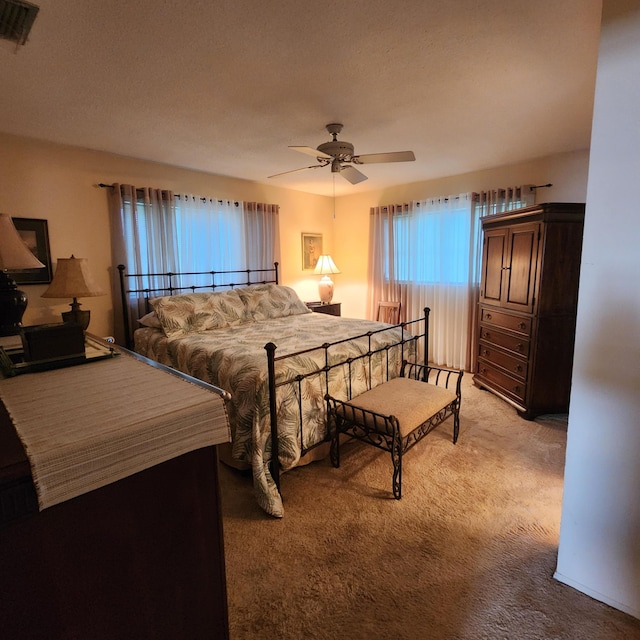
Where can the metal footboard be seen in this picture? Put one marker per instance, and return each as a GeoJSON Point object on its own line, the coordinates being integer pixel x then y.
{"type": "Point", "coordinates": [413, 335]}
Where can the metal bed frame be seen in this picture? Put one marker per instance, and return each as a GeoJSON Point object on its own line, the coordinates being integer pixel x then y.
{"type": "Point", "coordinates": [412, 332]}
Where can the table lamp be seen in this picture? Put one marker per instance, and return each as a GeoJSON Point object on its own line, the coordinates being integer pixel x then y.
{"type": "Point", "coordinates": [15, 255]}
{"type": "Point", "coordinates": [73, 280]}
{"type": "Point", "coordinates": [325, 267]}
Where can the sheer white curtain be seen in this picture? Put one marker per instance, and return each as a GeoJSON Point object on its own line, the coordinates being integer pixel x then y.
{"type": "Point", "coordinates": [224, 235]}
{"type": "Point", "coordinates": [441, 242]}
{"type": "Point", "coordinates": [261, 235]}
{"type": "Point", "coordinates": [421, 255]}
{"type": "Point", "coordinates": [434, 249]}
{"type": "Point", "coordinates": [210, 237]}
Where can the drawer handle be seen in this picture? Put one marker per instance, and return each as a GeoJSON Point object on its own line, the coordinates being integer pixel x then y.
{"type": "Point", "coordinates": [519, 368]}
{"type": "Point", "coordinates": [522, 326]}
{"type": "Point", "coordinates": [485, 352]}
{"type": "Point", "coordinates": [519, 346]}
{"type": "Point", "coordinates": [487, 334]}
{"type": "Point", "coordinates": [483, 370]}
{"type": "Point", "coordinates": [488, 316]}
{"type": "Point", "coordinates": [517, 388]}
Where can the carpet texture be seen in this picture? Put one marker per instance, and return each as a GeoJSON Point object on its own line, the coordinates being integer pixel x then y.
{"type": "Point", "coordinates": [468, 553]}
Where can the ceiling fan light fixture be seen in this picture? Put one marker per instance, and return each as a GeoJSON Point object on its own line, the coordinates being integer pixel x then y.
{"type": "Point", "coordinates": [337, 149]}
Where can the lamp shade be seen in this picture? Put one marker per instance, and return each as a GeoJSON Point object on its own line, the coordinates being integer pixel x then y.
{"type": "Point", "coordinates": [72, 279]}
{"type": "Point", "coordinates": [325, 266]}
{"type": "Point", "coordinates": [14, 253]}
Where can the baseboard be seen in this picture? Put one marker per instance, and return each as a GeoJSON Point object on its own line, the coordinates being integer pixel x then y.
{"type": "Point", "coordinates": [597, 595]}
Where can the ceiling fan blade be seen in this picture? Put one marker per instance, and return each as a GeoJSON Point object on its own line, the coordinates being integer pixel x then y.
{"type": "Point", "coordinates": [352, 174]}
{"type": "Point", "coordinates": [312, 152]}
{"type": "Point", "coordinates": [313, 166]}
{"type": "Point", "coordinates": [393, 156]}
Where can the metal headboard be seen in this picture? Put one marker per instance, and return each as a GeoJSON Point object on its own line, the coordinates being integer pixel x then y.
{"type": "Point", "coordinates": [170, 285]}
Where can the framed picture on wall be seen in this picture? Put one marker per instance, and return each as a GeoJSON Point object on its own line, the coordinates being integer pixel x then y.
{"type": "Point", "coordinates": [35, 234]}
{"type": "Point", "coordinates": [311, 250]}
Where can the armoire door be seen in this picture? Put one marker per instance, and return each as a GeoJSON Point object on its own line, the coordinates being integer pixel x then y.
{"type": "Point", "coordinates": [520, 267]}
{"type": "Point", "coordinates": [494, 250]}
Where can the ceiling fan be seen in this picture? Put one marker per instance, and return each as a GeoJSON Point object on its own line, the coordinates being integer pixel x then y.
{"type": "Point", "coordinates": [339, 154]}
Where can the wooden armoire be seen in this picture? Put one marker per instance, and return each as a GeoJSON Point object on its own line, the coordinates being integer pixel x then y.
{"type": "Point", "coordinates": [527, 307]}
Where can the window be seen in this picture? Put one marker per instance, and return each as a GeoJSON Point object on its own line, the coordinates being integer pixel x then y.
{"type": "Point", "coordinates": [427, 254]}
{"type": "Point", "coordinates": [166, 233]}
{"type": "Point", "coordinates": [155, 232]}
{"type": "Point", "coordinates": [210, 236]}
{"type": "Point", "coordinates": [433, 242]}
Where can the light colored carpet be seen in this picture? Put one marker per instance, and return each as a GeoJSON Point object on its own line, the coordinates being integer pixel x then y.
{"type": "Point", "coordinates": [468, 553]}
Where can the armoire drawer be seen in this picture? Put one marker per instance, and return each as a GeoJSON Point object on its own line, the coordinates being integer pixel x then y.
{"type": "Point", "coordinates": [505, 340]}
{"type": "Point", "coordinates": [514, 365]}
{"type": "Point", "coordinates": [506, 320]}
{"type": "Point", "coordinates": [516, 389]}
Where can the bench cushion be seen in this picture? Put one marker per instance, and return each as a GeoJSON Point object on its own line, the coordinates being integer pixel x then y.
{"type": "Point", "coordinates": [412, 402]}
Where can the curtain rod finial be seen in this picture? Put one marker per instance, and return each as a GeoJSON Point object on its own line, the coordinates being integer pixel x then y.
{"type": "Point", "coordinates": [533, 187]}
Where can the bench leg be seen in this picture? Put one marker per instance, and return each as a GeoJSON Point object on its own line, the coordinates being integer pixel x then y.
{"type": "Point", "coordinates": [456, 425]}
{"type": "Point", "coordinates": [396, 458]}
{"type": "Point", "coordinates": [334, 451]}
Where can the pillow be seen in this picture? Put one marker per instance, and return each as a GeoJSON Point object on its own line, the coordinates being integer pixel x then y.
{"type": "Point", "coordinates": [150, 320]}
{"type": "Point", "coordinates": [197, 312]}
{"type": "Point", "coordinates": [267, 301]}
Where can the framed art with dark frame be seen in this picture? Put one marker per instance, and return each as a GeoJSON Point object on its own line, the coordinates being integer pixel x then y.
{"type": "Point", "coordinates": [35, 233]}
{"type": "Point", "coordinates": [311, 250]}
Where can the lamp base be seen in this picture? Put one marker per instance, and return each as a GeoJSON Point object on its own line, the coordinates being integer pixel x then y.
{"type": "Point", "coordinates": [77, 315]}
{"type": "Point", "coordinates": [325, 289]}
{"type": "Point", "coordinates": [13, 304]}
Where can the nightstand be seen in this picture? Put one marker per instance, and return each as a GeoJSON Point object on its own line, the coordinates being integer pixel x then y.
{"type": "Point", "coordinates": [332, 308]}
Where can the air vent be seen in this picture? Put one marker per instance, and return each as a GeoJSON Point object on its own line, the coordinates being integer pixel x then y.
{"type": "Point", "coordinates": [16, 20]}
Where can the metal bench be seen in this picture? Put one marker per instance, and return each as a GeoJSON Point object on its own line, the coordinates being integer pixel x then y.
{"type": "Point", "coordinates": [398, 413]}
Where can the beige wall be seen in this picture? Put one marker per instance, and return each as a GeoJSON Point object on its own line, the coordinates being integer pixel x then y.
{"type": "Point", "coordinates": [58, 183]}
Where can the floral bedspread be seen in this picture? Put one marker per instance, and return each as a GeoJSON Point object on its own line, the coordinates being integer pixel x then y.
{"type": "Point", "coordinates": [234, 358]}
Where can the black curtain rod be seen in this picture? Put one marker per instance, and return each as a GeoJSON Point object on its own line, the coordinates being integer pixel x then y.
{"type": "Point", "coordinates": [176, 195]}
{"type": "Point", "coordinates": [440, 199]}
{"type": "Point", "coordinates": [531, 188]}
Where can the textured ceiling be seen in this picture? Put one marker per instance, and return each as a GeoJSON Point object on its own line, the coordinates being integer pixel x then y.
{"type": "Point", "coordinates": [225, 86]}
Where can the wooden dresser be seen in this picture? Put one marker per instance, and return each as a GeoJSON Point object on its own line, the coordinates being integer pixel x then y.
{"type": "Point", "coordinates": [140, 557]}
{"type": "Point", "coordinates": [527, 309]}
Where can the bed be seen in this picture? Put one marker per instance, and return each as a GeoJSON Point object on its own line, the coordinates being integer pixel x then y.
{"type": "Point", "coordinates": [244, 332]}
